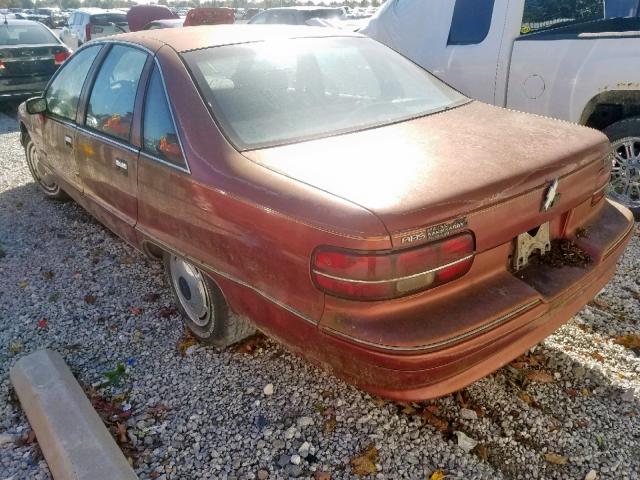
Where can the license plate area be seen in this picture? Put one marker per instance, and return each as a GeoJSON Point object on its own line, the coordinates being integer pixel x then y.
{"type": "Point", "coordinates": [529, 243]}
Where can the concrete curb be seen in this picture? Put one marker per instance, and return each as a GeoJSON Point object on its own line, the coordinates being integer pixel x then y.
{"type": "Point", "coordinates": [74, 441]}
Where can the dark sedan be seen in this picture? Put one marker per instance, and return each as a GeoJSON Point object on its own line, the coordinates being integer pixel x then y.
{"type": "Point", "coordinates": [29, 55]}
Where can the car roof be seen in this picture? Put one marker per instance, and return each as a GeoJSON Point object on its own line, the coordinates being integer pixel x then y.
{"type": "Point", "coordinates": [19, 21]}
{"type": "Point", "coordinates": [96, 11]}
{"type": "Point", "coordinates": [304, 8]}
{"type": "Point", "coordinates": [193, 38]}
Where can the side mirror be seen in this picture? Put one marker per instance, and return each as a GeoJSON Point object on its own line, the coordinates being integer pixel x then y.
{"type": "Point", "coordinates": [36, 105]}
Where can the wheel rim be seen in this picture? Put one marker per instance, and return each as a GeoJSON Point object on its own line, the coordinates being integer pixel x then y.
{"type": "Point", "coordinates": [40, 174]}
{"type": "Point", "coordinates": [193, 295]}
{"type": "Point", "coordinates": [624, 186]}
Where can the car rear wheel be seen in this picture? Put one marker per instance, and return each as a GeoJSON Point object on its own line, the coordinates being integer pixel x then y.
{"type": "Point", "coordinates": [624, 186]}
{"type": "Point", "coordinates": [41, 176]}
{"type": "Point", "coordinates": [203, 306]}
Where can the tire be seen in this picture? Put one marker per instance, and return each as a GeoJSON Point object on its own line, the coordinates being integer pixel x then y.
{"type": "Point", "coordinates": [625, 177]}
{"type": "Point", "coordinates": [202, 305]}
{"type": "Point", "coordinates": [46, 185]}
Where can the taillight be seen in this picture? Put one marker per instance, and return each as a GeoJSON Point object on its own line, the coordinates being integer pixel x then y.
{"type": "Point", "coordinates": [87, 31]}
{"type": "Point", "coordinates": [60, 57]}
{"type": "Point", "coordinates": [1, 65]}
{"type": "Point", "coordinates": [379, 276]}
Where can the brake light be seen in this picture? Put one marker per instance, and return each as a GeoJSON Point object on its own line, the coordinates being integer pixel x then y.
{"type": "Point", "coordinates": [1, 65]}
{"type": "Point", "coordinates": [60, 57]}
{"type": "Point", "coordinates": [379, 276]}
{"type": "Point", "coordinates": [87, 31]}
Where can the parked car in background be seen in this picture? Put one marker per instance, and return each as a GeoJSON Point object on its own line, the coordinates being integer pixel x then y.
{"type": "Point", "coordinates": [296, 15]}
{"type": "Point", "coordinates": [251, 12]}
{"type": "Point", "coordinates": [575, 61]}
{"type": "Point", "coordinates": [169, 23]}
{"type": "Point", "coordinates": [90, 23]}
{"type": "Point", "coordinates": [52, 17]}
{"type": "Point", "coordinates": [140, 15]}
{"type": "Point", "coordinates": [209, 16]}
{"type": "Point", "coordinates": [337, 197]}
{"type": "Point", "coordinates": [30, 54]}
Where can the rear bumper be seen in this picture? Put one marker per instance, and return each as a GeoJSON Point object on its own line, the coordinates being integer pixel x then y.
{"type": "Point", "coordinates": [491, 322]}
{"type": "Point", "coordinates": [22, 87]}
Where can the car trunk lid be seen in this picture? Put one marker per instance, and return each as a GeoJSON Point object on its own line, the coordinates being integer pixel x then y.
{"type": "Point", "coordinates": [26, 60]}
{"type": "Point", "coordinates": [476, 166]}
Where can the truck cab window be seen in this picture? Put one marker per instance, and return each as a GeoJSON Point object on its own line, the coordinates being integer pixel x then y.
{"type": "Point", "coordinates": [542, 15]}
{"type": "Point", "coordinates": [471, 22]}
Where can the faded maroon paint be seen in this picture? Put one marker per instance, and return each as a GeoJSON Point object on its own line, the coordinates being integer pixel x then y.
{"type": "Point", "coordinates": [253, 220]}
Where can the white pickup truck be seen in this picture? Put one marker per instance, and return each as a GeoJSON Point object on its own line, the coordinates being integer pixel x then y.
{"type": "Point", "coordinates": [576, 60]}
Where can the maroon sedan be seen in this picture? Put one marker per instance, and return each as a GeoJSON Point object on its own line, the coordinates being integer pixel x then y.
{"type": "Point", "coordinates": [319, 187]}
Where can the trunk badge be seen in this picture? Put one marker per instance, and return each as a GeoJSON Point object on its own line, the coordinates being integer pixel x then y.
{"type": "Point", "coordinates": [551, 197]}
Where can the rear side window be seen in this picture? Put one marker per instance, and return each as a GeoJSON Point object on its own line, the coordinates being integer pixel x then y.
{"type": "Point", "coordinates": [546, 14]}
{"type": "Point", "coordinates": [113, 96]}
{"type": "Point", "coordinates": [471, 22]}
{"type": "Point", "coordinates": [25, 35]}
{"type": "Point", "coordinates": [64, 92]}
{"type": "Point", "coordinates": [108, 18]}
{"type": "Point", "coordinates": [160, 138]}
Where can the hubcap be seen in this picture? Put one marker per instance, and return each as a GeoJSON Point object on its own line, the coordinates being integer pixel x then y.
{"type": "Point", "coordinates": [190, 287]}
{"type": "Point", "coordinates": [624, 186]}
{"type": "Point", "coordinates": [39, 172]}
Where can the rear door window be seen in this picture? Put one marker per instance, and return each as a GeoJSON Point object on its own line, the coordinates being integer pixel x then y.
{"type": "Point", "coordinates": [113, 96]}
{"type": "Point", "coordinates": [64, 92]}
{"type": "Point", "coordinates": [471, 22]}
{"type": "Point", "coordinates": [160, 138]}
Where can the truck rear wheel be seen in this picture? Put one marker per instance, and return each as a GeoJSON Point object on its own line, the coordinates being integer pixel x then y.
{"type": "Point", "coordinates": [624, 186]}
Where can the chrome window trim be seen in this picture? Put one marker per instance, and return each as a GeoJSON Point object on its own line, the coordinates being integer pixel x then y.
{"type": "Point", "coordinates": [186, 168]}
{"type": "Point", "coordinates": [399, 279]}
{"type": "Point", "coordinates": [153, 158]}
{"type": "Point", "coordinates": [105, 138]}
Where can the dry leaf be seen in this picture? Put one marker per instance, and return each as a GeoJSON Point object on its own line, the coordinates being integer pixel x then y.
{"type": "Point", "coordinates": [23, 284]}
{"type": "Point", "coordinates": [408, 410]}
{"type": "Point", "coordinates": [597, 356]}
{"type": "Point", "coordinates": [90, 299]}
{"type": "Point", "coordinates": [598, 302]}
{"type": "Point", "coordinates": [433, 408]}
{"type": "Point", "coordinates": [43, 323]}
{"type": "Point", "coordinates": [330, 425]}
{"type": "Point", "coordinates": [122, 433]}
{"type": "Point", "coordinates": [437, 475]}
{"type": "Point", "coordinates": [539, 377]}
{"type": "Point", "coordinates": [482, 451]}
{"type": "Point", "coordinates": [556, 459]}
{"type": "Point", "coordinates": [15, 347]}
{"type": "Point", "coordinates": [526, 398]}
{"type": "Point", "coordinates": [47, 274]}
{"type": "Point", "coordinates": [436, 422]}
{"type": "Point", "coordinates": [365, 464]}
{"type": "Point", "coordinates": [136, 310]}
{"type": "Point", "coordinates": [151, 297]}
{"type": "Point", "coordinates": [322, 476]}
{"type": "Point", "coordinates": [631, 340]}
{"type": "Point", "coordinates": [251, 344]}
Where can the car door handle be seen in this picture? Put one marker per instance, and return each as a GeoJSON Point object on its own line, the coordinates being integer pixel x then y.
{"type": "Point", "coordinates": [68, 141]}
{"type": "Point", "coordinates": [121, 164]}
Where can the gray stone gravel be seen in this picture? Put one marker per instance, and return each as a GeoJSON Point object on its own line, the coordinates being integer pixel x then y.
{"type": "Point", "coordinates": [220, 423]}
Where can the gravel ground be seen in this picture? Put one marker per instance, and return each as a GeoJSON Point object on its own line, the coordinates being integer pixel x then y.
{"type": "Point", "coordinates": [568, 410]}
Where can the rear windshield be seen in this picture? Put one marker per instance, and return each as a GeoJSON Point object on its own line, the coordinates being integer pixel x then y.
{"type": "Point", "coordinates": [25, 35]}
{"type": "Point", "coordinates": [329, 13]}
{"type": "Point", "coordinates": [107, 18]}
{"type": "Point", "coordinates": [277, 92]}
